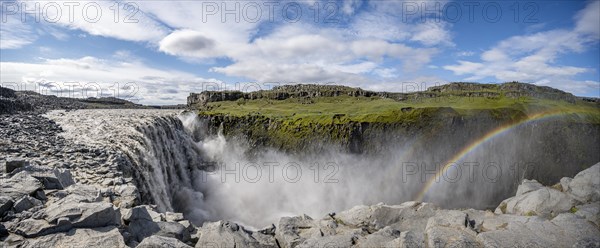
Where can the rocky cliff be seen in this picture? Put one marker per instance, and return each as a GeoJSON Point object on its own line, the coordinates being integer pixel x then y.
{"type": "Point", "coordinates": [511, 89]}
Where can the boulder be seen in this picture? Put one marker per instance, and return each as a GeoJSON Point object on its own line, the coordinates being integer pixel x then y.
{"type": "Point", "coordinates": [156, 241]}
{"type": "Point", "coordinates": [528, 186]}
{"type": "Point", "coordinates": [408, 239]}
{"type": "Point", "coordinates": [408, 216]}
{"type": "Point", "coordinates": [590, 212]}
{"type": "Point", "coordinates": [143, 222]}
{"type": "Point", "coordinates": [128, 196]}
{"type": "Point", "coordinates": [82, 193]}
{"type": "Point", "coordinates": [50, 178]}
{"type": "Point", "coordinates": [449, 228]}
{"type": "Point", "coordinates": [89, 238]}
{"type": "Point", "coordinates": [585, 186]}
{"type": "Point", "coordinates": [5, 204]}
{"type": "Point", "coordinates": [142, 212]}
{"type": "Point", "coordinates": [19, 185]}
{"type": "Point", "coordinates": [386, 237]}
{"type": "Point", "coordinates": [576, 230]}
{"type": "Point", "coordinates": [565, 230]}
{"type": "Point", "coordinates": [31, 228]}
{"type": "Point", "coordinates": [545, 201]}
{"type": "Point", "coordinates": [25, 203]}
{"type": "Point", "coordinates": [15, 163]}
{"type": "Point", "coordinates": [170, 216]}
{"type": "Point", "coordinates": [226, 234]}
{"type": "Point", "coordinates": [291, 231]}
{"type": "Point", "coordinates": [84, 215]}
{"type": "Point", "coordinates": [564, 183]}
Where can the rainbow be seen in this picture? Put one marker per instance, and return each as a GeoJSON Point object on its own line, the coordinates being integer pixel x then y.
{"type": "Point", "coordinates": [485, 138]}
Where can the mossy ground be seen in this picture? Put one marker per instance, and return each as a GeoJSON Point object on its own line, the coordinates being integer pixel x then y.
{"type": "Point", "coordinates": [332, 110]}
{"type": "Point", "coordinates": [299, 123]}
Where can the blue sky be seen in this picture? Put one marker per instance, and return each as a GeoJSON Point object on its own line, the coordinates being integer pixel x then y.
{"type": "Point", "coordinates": [156, 52]}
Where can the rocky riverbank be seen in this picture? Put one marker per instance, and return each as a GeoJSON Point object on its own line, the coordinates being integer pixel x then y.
{"type": "Point", "coordinates": [69, 182]}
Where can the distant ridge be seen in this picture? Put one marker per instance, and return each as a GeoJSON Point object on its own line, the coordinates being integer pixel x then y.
{"type": "Point", "coordinates": [510, 89]}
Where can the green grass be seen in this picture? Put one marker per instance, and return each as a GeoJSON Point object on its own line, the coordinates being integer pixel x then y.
{"type": "Point", "coordinates": [328, 110]}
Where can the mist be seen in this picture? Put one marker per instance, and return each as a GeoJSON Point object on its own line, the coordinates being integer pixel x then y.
{"type": "Point", "coordinates": [256, 190]}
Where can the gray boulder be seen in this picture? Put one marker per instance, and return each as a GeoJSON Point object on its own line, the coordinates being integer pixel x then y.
{"type": "Point", "coordinates": [545, 201]}
{"type": "Point", "coordinates": [89, 238]}
{"type": "Point", "coordinates": [50, 178]}
{"type": "Point", "coordinates": [590, 212]}
{"type": "Point", "coordinates": [25, 203]}
{"type": "Point", "coordinates": [156, 241]}
{"type": "Point", "coordinates": [291, 231]}
{"type": "Point", "coordinates": [82, 193]}
{"type": "Point", "coordinates": [128, 196]}
{"type": "Point", "coordinates": [447, 229]}
{"type": "Point", "coordinates": [19, 185]}
{"type": "Point", "coordinates": [226, 234]}
{"type": "Point", "coordinates": [31, 228]}
{"type": "Point", "coordinates": [565, 230]}
{"type": "Point", "coordinates": [5, 204]}
{"type": "Point", "coordinates": [585, 186]}
{"type": "Point", "coordinates": [15, 163]}
{"type": "Point", "coordinates": [84, 215]}
{"type": "Point", "coordinates": [143, 222]}
{"type": "Point", "coordinates": [528, 186]}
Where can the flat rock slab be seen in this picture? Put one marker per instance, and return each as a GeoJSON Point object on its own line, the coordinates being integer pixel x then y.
{"type": "Point", "coordinates": [88, 238]}
{"type": "Point", "coordinates": [19, 185]}
{"type": "Point", "coordinates": [160, 242]}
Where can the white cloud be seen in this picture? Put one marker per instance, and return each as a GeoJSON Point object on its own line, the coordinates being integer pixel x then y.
{"type": "Point", "coordinates": [188, 43]}
{"type": "Point", "coordinates": [154, 86]}
{"type": "Point", "coordinates": [432, 33]}
{"type": "Point", "coordinates": [304, 53]}
{"type": "Point", "coordinates": [15, 34]}
{"type": "Point", "coordinates": [131, 26]}
{"type": "Point", "coordinates": [588, 20]}
{"type": "Point", "coordinates": [532, 57]}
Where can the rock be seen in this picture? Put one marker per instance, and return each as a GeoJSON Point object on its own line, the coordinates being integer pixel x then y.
{"type": "Point", "coordinates": [89, 238]}
{"type": "Point", "coordinates": [5, 204]}
{"type": "Point", "coordinates": [585, 186]}
{"type": "Point", "coordinates": [408, 216]}
{"type": "Point", "coordinates": [590, 212]}
{"type": "Point", "coordinates": [291, 231]}
{"type": "Point", "coordinates": [142, 212]}
{"type": "Point", "coordinates": [340, 240]}
{"type": "Point", "coordinates": [31, 228]}
{"type": "Point", "coordinates": [143, 222]}
{"type": "Point", "coordinates": [25, 203]}
{"type": "Point", "coordinates": [128, 196]}
{"type": "Point", "coordinates": [170, 216]}
{"type": "Point", "coordinates": [83, 193]}
{"type": "Point", "coordinates": [50, 178]}
{"type": "Point", "coordinates": [409, 239]}
{"type": "Point", "coordinates": [447, 229]}
{"type": "Point", "coordinates": [564, 183]}
{"type": "Point", "coordinates": [156, 241]}
{"type": "Point", "coordinates": [226, 234]}
{"type": "Point", "coordinates": [576, 230]}
{"type": "Point", "coordinates": [545, 201]}
{"type": "Point", "coordinates": [15, 163]}
{"type": "Point", "coordinates": [19, 185]}
{"type": "Point", "coordinates": [528, 186]}
{"type": "Point", "coordinates": [84, 215]}
{"type": "Point", "coordinates": [381, 238]}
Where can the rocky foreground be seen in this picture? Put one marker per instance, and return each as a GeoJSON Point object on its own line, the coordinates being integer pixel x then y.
{"type": "Point", "coordinates": [59, 193]}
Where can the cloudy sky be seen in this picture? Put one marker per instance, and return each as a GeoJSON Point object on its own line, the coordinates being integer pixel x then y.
{"type": "Point", "coordinates": [156, 52]}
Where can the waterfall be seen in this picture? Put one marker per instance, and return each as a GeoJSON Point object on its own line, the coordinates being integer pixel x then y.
{"type": "Point", "coordinates": [179, 166]}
